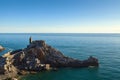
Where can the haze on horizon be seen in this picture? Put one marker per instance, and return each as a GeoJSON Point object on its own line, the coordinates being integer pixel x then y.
{"type": "Point", "coordinates": [59, 16]}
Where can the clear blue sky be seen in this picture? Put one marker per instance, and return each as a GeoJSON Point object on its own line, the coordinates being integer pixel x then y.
{"type": "Point", "coordinates": [59, 16]}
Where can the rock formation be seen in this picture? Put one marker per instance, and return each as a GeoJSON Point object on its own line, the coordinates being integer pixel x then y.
{"type": "Point", "coordinates": [39, 56]}
{"type": "Point", "coordinates": [1, 48]}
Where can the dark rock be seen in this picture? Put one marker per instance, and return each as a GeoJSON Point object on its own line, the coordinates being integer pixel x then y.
{"type": "Point", "coordinates": [2, 63]}
{"type": "Point", "coordinates": [15, 51]}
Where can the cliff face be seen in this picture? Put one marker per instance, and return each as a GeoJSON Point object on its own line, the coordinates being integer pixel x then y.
{"type": "Point", "coordinates": [39, 56]}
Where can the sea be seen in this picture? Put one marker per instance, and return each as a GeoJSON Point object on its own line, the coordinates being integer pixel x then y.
{"type": "Point", "coordinates": [105, 47]}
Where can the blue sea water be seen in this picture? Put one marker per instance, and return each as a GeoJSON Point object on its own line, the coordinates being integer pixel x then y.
{"type": "Point", "coordinates": [105, 47]}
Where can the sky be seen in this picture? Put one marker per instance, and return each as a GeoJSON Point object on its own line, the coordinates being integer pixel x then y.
{"type": "Point", "coordinates": [59, 16]}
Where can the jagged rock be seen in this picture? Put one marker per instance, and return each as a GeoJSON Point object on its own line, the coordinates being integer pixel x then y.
{"type": "Point", "coordinates": [2, 63]}
{"type": "Point", "coordinates": [15, 51]}
{"type": "Point", "coordinates": [38, 52]}
{"type": "Point", "coordinates": [1, 48]}
{"type": "Point", "coordinates": [39, 56]}
{"type": "Point", "coordinates": [7, 69]}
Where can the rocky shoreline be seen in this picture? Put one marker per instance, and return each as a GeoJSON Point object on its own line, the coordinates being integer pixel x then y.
{"type": "Point", "coordinates": [38, 56]}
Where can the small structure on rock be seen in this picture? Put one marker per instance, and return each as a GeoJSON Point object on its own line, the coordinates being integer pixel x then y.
{"type": "Point", "coordinates": [30, 40]}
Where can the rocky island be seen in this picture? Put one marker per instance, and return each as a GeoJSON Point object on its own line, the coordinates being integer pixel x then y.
{"type": "Point", "coordinates": [38, 56]}
{"type": "Point", "coordinates": [1, 48]}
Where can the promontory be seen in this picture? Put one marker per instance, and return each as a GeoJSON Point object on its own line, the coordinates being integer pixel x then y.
{"type": "Point", "coordinates": [38, 56]}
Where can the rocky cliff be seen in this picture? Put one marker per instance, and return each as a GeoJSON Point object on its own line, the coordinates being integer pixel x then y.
{"type": "Point", "coordinates": [39, 56]}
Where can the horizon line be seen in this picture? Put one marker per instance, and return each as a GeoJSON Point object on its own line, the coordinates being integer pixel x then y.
{"type": "Point", "coordinates": [57, 33]}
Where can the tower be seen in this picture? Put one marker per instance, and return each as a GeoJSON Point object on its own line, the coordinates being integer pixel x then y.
{"type": "Point", "coordinates": [30, 40]}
